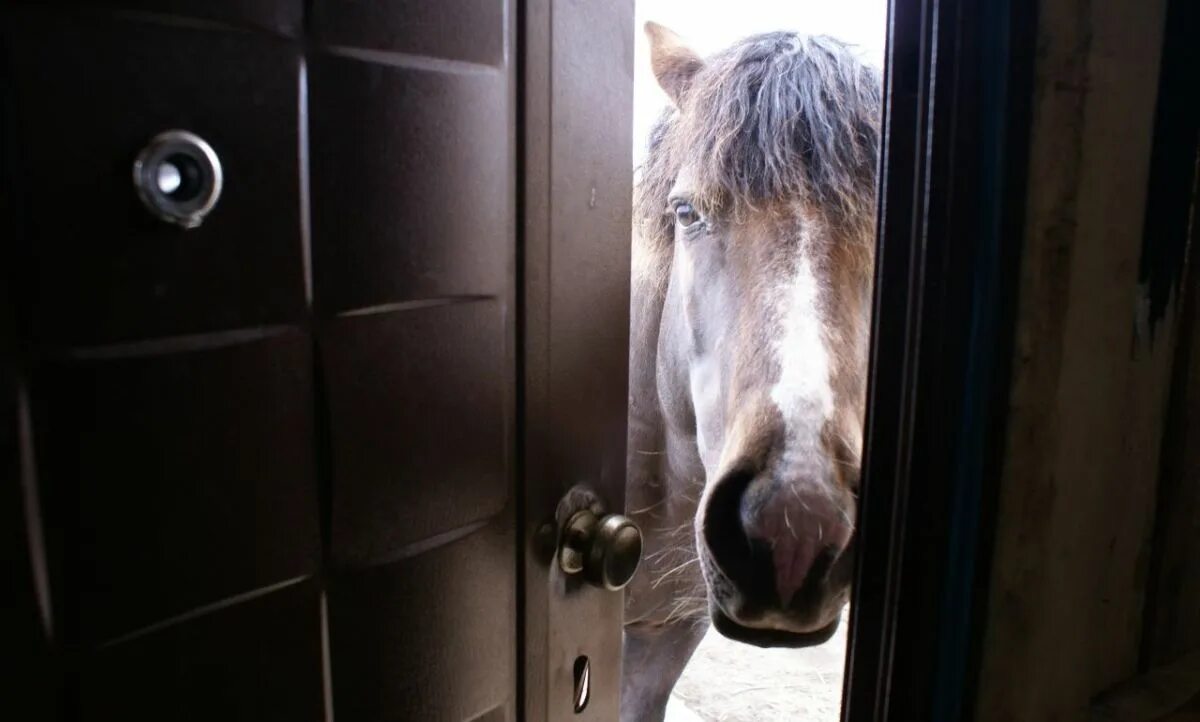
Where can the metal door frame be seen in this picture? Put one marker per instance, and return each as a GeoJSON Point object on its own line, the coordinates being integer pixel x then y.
{"type": "Point", "coordinates": [958, 87]}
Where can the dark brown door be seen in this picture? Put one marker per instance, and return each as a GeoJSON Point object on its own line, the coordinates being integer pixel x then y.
{"type": "Point", "coordinates": [577, 104]}
{"type": "Point", "coordinates": [290, 464]}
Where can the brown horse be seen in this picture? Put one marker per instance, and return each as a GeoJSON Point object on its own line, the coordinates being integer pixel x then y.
{"type": "Point", "coordinates": [752, 281]}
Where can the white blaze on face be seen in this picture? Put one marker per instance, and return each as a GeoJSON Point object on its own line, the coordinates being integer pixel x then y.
{"type": "Point", "coordinates": [803, 392]}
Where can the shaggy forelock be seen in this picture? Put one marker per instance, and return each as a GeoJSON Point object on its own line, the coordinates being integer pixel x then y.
{"type": "Point", "coordinates": [778, 116]}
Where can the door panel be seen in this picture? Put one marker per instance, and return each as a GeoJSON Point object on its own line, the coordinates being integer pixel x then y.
{"type": "Point", "coordinates": [284, 17]}
{"type": "Point", "coordinates": [413, 241]}
{"type": "Point", "coordinates": [411, 185]}
{"type": "Point", "coordinates": [247, 662]}
{"type": "Point", "coordinates": [32, 682]}
{"type": "Point", "coordinates": [418, 425]}
{"type": "Point", "coordinates": [453, 657]}
{"type": "Point", "coordinates": [470, 30]}
{"type": "Point", "coordinates": [178, 479]}
{"type": "Point", "coordinates": [96, 268]}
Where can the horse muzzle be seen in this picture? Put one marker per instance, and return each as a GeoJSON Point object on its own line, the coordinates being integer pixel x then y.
{"type": "Point", "coordinates": [778, 560]}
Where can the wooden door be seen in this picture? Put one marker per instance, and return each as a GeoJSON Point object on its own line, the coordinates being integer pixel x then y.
{"type": "Point", "coordinates": [291, 463]}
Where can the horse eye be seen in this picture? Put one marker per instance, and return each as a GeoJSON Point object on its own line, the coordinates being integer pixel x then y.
{"type": "Point", "coordinates": [685, 214]}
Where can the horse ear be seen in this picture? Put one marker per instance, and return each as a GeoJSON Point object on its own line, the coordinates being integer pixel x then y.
{"type": "Point", "coordinates": [673, 62]}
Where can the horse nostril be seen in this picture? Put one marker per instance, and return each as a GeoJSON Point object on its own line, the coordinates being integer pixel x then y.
{"type": "Point", "coordinates": [722, 524]}
{"type": "Point", "coordinates": [746, 562]}
{"type": "Point", "coordinates": [807, 530]}
{"type": "Point", "coordinates": [771, 539]}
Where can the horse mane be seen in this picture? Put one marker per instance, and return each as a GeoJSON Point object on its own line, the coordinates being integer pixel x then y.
{"type": "Point", "coordinates": [777, 116]}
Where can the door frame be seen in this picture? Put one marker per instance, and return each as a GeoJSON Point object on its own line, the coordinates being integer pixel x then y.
{"type": "Point", "coordinates": [958, 84]}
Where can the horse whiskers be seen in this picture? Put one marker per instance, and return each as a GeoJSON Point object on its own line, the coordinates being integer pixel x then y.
{"type": "Point", "coordinates": [796, 493]}
{"type": "Point", "coordinates": [674, 570]}
{"type": "Point", "coordinates": [691, 599]}
{"type": "Point", "coordinates": [674, 536]}
{"type": "Point", "coordinates": [680, 551]}
{"type": "Point", "coordinates": [682, 530]}
{"type": "Point", "coordinates": [662, 553]}
{"type": "Point", "coordinates": [648, 509]}
{"type": "Point", "coordinates": [687, 608]}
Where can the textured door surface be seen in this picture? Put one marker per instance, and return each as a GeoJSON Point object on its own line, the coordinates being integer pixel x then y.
{"type": "Point", "coordinates": [266, 468]}
{"type": "Point", "coordinates": [577, 183]}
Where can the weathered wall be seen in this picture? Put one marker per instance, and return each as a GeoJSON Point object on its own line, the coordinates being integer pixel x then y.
{"type": "Point", "coordinates": [1173, 605]}
{"type": "Point", "coordinates": [1089, 396]}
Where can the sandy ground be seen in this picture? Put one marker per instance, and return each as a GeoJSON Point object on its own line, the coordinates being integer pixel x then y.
{"type": "Point", "coordinates": [731, 682]}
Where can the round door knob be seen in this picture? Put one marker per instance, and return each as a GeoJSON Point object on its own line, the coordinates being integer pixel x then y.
{"type": "Point", "coordinates": [606, 550]}
{"type": "Point", "coordinates": [178, 178]}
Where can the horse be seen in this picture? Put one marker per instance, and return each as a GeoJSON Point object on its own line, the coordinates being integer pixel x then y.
{"type": "Point", "coordinates": [752, 272]}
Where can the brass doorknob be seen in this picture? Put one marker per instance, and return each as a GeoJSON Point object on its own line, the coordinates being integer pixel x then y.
{"type": "Point", "coordinates": [606, 549]}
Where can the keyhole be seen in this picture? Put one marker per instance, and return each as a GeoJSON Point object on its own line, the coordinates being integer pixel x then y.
{"type": "Point", "coordinates": [583, 683]}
